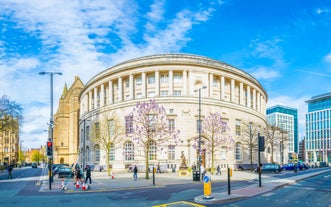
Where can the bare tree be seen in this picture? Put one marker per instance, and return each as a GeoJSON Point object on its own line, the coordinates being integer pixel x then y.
{"type": "Point", "coordinates": [271, 138]}
{"type": "Point", "coordinates": [250, 139]}
{"type": "Point", "coordinates": [107, 131]}
{"type": "Point", "coordinates": [151, 130]}
{"type": "Point", "coordinates": [283, 139]}
{"type": "Point", "coordinates": [214, 131]}
{"type": "Point", "coordinates": [10, 114]}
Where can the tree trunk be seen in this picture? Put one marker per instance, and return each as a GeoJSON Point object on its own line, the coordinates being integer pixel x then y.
{"type": "Point", "coordinates": [147, 162]}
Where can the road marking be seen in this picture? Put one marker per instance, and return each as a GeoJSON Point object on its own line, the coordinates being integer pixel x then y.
{"type": "Point", "coordinates": [180, 203]}
{"type": "Point", "coordinates": [267, 194]}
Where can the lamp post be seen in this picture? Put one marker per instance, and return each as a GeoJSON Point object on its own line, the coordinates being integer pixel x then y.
{"type": "Point", "coordinates": [51, 122]}
{"type": "Point", "coordinates": [251, 145]}
{"type": "Point", "coordinates": [199, 129]}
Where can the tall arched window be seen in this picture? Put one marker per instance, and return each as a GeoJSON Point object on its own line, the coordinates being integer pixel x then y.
{"type": "Point", "coordinates": [152, 150]}
{"type": "Point", "coordinates": [238, 151]}
{"type": "Point", "coordinates": [97, 153]}
{"type": "Point", "coordinates": [112, 152]}
{"type": "Point", "coordinates": [88, 155]}
{"type": "Point", "coordinates": [128, 151]}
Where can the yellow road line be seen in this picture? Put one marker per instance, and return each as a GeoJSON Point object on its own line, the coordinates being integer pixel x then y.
{"type": "Point", "coordinates": [180, 203]}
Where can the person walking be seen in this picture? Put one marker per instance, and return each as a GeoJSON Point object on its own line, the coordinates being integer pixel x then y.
{"type": "Point", "coordinates": [135, 173]}
{"type": "Point", "coordinates": [10, 170]}
{"type": "Point", "coordinates": [88, 174]}
{"type": "Point", "coordinates": [218, 170]}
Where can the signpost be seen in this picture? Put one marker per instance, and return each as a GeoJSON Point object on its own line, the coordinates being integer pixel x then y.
{"type": "Point", "coordinates": [261, 149]}
{"type": "Point", "coordinates": [207, 188]}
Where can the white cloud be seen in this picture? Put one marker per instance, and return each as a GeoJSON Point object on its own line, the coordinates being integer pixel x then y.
{"type": "Point", "coordinates": [261, 72]}
{"type": "Point", "coordinates": [82, 38]}
{"type": "Point", "coordinates": [322, 11]}
{"type": "Point", "coordinates": [327, 58]}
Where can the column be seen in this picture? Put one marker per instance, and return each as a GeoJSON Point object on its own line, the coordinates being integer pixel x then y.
{"type": "Point", "coordinates": [222, 88]}
{"type": "Point", "coordinates": [111, 91]}
{"type": "Point", "coordinates": [171, 83]}
{"type": "Point", "coordinates": [254, 99]}
{"type": "Point", "coordinates": [233, 91]}
{"type": "Point", "coordinates": [90, 101]}
{"type": "Point", "coordinates": [143, 85]}
{"type": "Point", "coordinates": [95, 95]}
{"type": "Point", "coordinates": [102, 97]}
{"type": "Point", "coordinates": [120, 89]}
{"type": "Point", "coordinates": [241, 93]}
{"type": "Point", "coordinates": [131, 87]}
{"type": "Point", "coordinates": [258, 101]}
{"type": "Point", "coordinates": [249, 97]}
{"type": "Point", "coordinates": [157, 83]}
{"type": "Point", "coordinates": [211, 85]}
{"type": "Point", "coordinates": [185, 83]}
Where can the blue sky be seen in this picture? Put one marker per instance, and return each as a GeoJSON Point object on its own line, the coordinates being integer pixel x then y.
{"type": "Point", "coordinates": [285, 44]}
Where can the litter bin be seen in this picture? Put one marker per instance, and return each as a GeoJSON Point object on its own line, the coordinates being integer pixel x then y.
{"type": "Point", "coordinates": [196, 176]}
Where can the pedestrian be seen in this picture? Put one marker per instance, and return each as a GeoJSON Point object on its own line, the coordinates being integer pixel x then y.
{"type": "Point", "coordinates": [135, 172]}
{"type": "Point", "coordinates": [203, 171]}
{"type": "Point", "coordinates": [10, 170]}
{"type": "Point", "coordinates": [158, 168]}
{"type": "Point", "coordinates": [88, 174]}
{"type": "Point", "coordinates": [218, 170]}
{"type": "Point", "coordinates": [78, 175]}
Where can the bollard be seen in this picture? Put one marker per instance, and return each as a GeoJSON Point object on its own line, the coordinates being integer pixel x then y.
{"type": "Point", "coordinates": [207, 188]}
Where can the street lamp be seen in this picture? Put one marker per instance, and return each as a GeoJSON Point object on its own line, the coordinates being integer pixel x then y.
{"type": "Point", "coordinates": [199, 129]}
{"type": "Point", "coordinates": [51, 122]}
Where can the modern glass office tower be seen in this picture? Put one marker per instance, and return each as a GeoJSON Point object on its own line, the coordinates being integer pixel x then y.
{"type": "Point", "coordinates": [287, 119]}
{"type": "Point", "coordinates": [318, 128]}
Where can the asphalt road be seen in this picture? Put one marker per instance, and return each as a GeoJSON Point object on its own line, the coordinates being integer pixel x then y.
{"type": "Point", "coordinates": [314, 191]}
{"type": "Point", "coordinates": [23, 191]}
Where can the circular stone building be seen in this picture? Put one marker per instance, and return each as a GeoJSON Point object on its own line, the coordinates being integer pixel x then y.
{"type": "Point", "coordinates": [173, 81]}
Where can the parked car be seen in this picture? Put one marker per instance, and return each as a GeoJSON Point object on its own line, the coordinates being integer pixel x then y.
{"type": "Point", "coordinates": [56, 167]}
{"type": "Point", "coordinates": [34, 165]}
{"type": "Point", "coordinates": [270, 167]}
{"type": "Point", "coordinates": [64, 172]}
{"type": "Point", "coordinates": [289, 166]}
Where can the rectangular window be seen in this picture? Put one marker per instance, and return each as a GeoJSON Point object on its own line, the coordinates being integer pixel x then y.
{"type": "Point", "coordinates": [127, 97]}
{"type": "Point", "coordinates": [177, 93]}
{"type": "Point", "coordinates": [238, 127]}
{"type": "Point", "coordinates": [128, 124]}
{"type": "Point", "coordinates": [139, 95]}
{"type": "Point", "coordinates": [177, 77]}
{"type": "Point", "coordinates": [151, 79]}
{"type": "Point", "coordinates": [171, 124]}
{"type": "Point", "coordinates": [164, 93]}
{"type": "Point", "coordinates": [164, 78]}
{"type": "Point", "coordinates": [138, 80]}
{"type": "Point", "coordinates": [97, 129]}
{"type": "Point", "coordinates": [127, 83]}
{"type": "Point", "coordinates": [171, 152]}
{"type": "Point", "coordinates": [112, 152]}
{"type": "Point", "coordinates": [87, 132]}
{"type": "Point", "coordinates": [151, 94]}
{"type": "Point", "coordinates": [215, 82]}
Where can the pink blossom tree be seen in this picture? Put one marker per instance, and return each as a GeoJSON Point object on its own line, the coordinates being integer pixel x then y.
{"type": "Point", "coordinates": [151, 129]}
{"type": "Point", "coordinates": [214, 134]}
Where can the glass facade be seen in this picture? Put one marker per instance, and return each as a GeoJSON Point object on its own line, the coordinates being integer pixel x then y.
{"type": "Point", "coordinates": [318, 128]}
{"type": "Point", "coordinates": [287, 119]}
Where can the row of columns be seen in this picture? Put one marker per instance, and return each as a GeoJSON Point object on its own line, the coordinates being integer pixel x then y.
{"type": "Point", "coordinates": [101, 95]}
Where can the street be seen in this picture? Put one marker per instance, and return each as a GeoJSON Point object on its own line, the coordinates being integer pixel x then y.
{"type": "Point", "coordinates": [25, 190]}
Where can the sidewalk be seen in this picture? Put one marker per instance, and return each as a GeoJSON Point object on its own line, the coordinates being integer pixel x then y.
{"type": "Point", "coordinates": [122, 181]}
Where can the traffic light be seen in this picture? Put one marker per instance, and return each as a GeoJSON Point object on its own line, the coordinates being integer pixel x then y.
{"type": "Point", "coordinates": [261, 143]}
{"type": "Point", "coordinates": [49, 148]}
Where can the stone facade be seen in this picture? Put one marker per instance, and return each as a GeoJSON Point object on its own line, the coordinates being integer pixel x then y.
{"type": "Point", "coordinates": [66, 119]}
{"type": "Point", "coordinates": [172, 80]}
